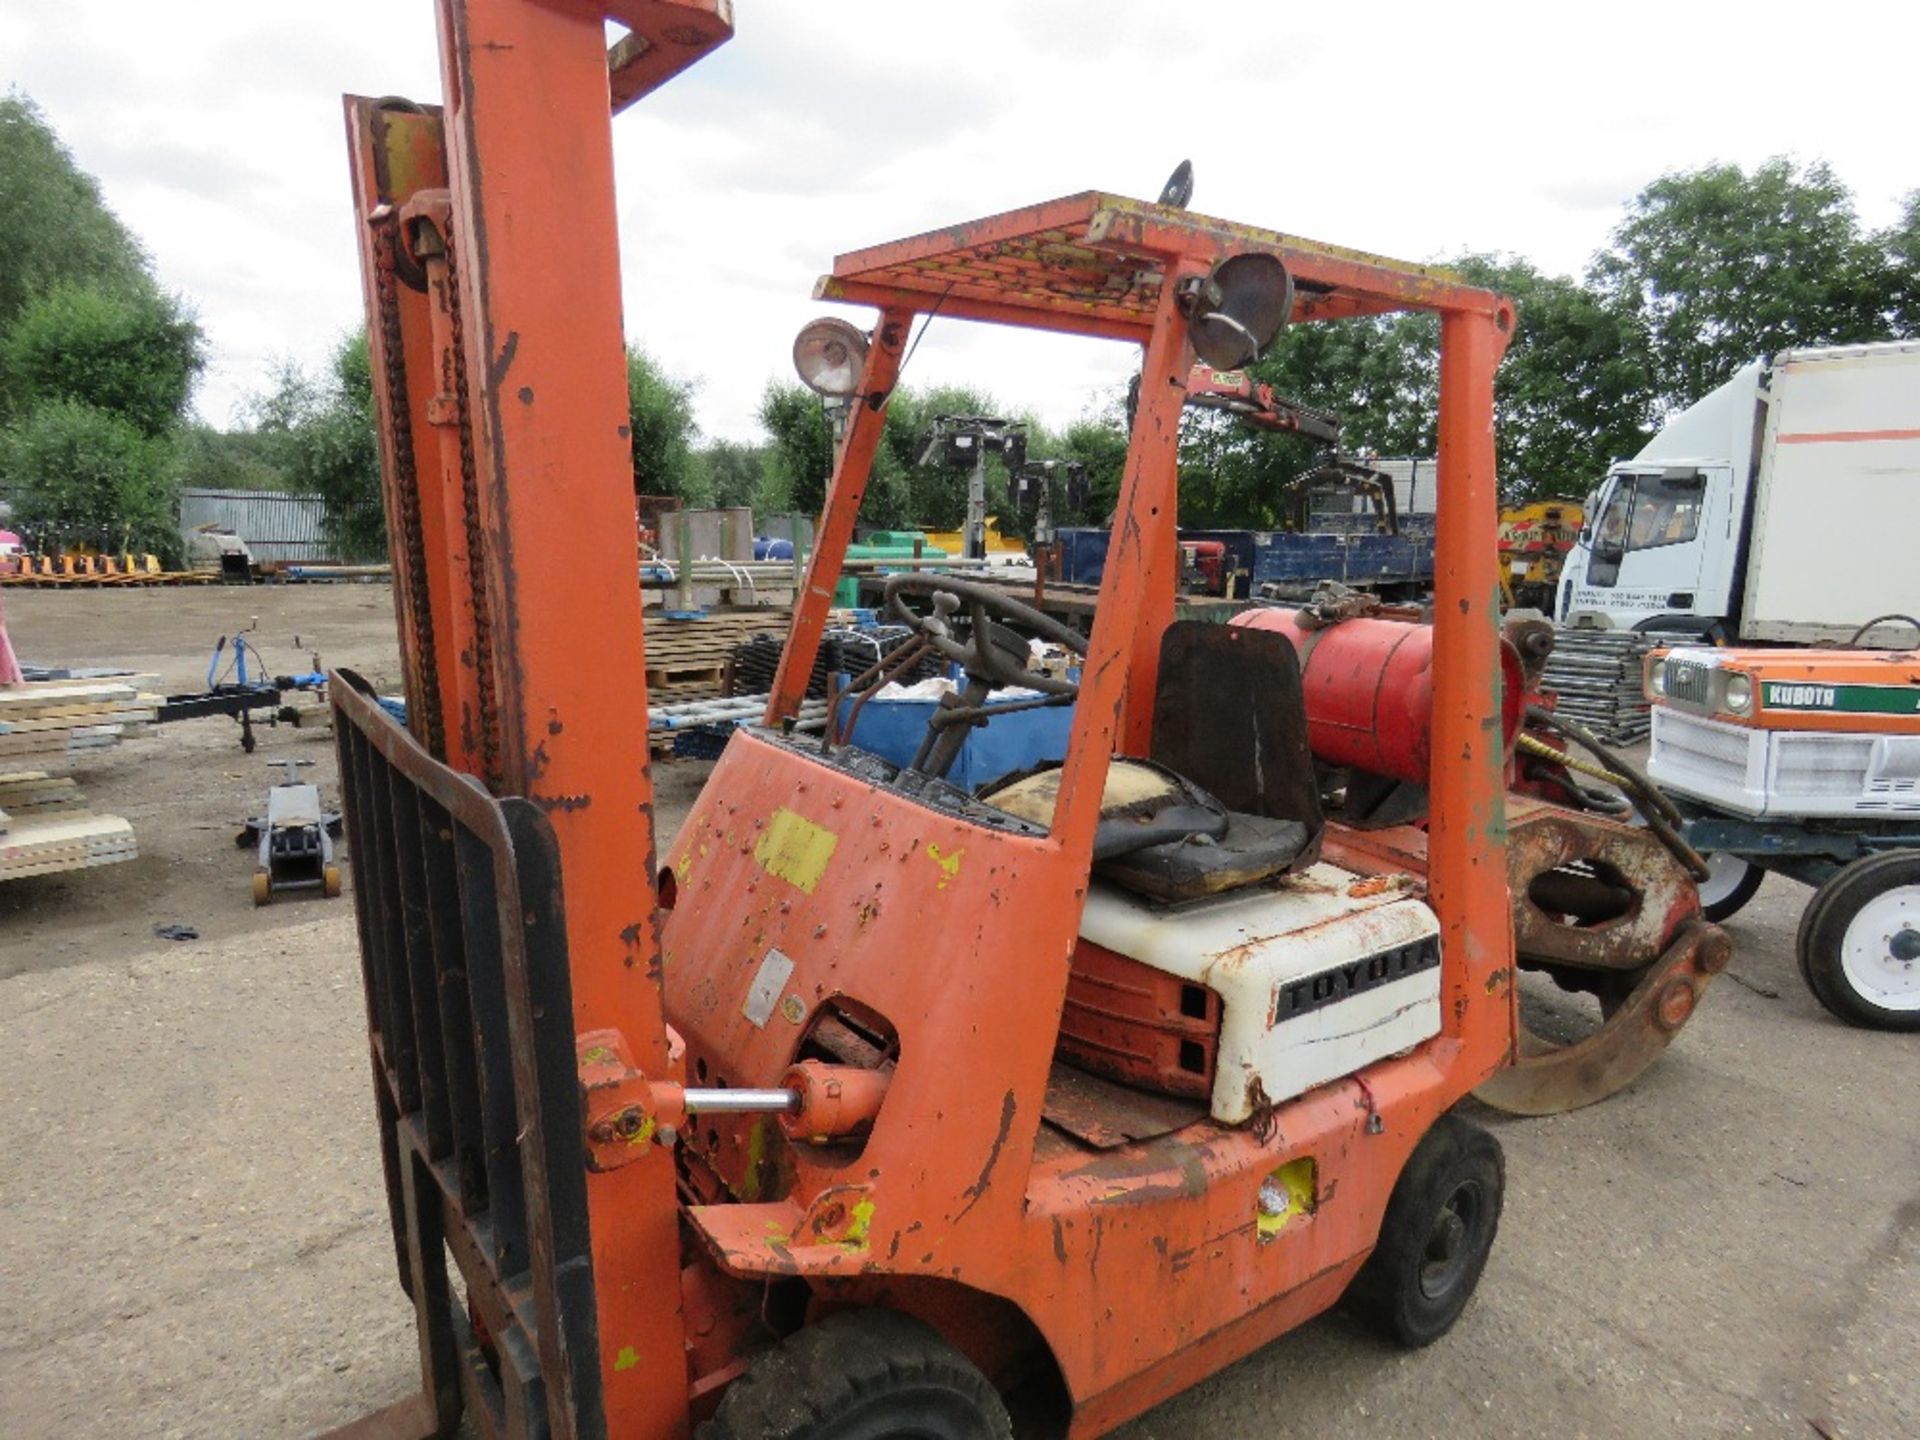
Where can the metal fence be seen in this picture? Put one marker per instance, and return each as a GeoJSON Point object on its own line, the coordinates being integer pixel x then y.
{"type": "Point", "coordinates": [276, 526]}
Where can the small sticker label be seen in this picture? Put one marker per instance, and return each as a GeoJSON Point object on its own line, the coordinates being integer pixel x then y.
{"type": "Point", "coordinates": [764, 993]}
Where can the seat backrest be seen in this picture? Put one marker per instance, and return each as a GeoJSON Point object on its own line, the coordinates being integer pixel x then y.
{"type": "Point", "coordinates": [1230, 715]}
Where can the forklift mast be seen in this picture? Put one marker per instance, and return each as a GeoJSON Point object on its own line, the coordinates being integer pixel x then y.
{"type": "Point", "coordinates": [490, 261]}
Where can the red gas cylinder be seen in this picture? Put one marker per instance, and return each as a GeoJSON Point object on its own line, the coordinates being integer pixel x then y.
{"type": "Point", "coordinates": [1369, 690]}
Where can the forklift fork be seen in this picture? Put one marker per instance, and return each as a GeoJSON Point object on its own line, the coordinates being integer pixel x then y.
{"type": "Point", "coordinates": [463, 956]}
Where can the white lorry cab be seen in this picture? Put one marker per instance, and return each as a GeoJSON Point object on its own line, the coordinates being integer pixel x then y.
{"type": "Point", "coordinates": [1780, 508]}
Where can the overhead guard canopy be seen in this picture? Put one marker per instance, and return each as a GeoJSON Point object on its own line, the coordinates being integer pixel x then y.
{"type": "Point", "coordinates": [1094, 264]}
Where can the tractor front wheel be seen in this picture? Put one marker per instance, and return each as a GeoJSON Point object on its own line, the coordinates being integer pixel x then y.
{"type": "Point", "coordinates": [1731, 882]}
{"type": "Point", "coordinates": [1859, 943]}
{"type": "Point", "coordinates": [861, 1375]}
{"type": "Point", "coordinates": [1438, 1232]}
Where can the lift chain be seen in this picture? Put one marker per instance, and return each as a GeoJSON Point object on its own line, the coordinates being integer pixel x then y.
{"type": "Point", "coordinates": [406, 482]}
{"type": "Point", "coordinates": [483, 659]}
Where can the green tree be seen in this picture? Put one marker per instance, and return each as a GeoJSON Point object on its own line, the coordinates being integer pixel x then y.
{"type": "Point", "coordinates": [662, 431]}
{"type": "Point", "coordinates": [84, 476]}
{"type": "Point", "coordinates": [800, 449]}
{"type": "Point", "coordinates": [229, 459]}
{"type": "Point", "coordinates": [320, 434]}
{"type": "Point", "coordinates": [54, 227]}
{"type": "Point", "coordinates": [731, 473]}
{"type": "Point", "coordinates": [1724, 266]}
{"type": "Point", "coordinates": [1577, 389]}
{"type": "Point", "coordinates": [1901, 245]}
{"type": "Point", "coordinates": [1097, 440]}
{"type": "Point", "coordinates": [132, 352]}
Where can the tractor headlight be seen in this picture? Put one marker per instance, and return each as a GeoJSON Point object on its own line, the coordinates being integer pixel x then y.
{"type": "Point", "coordinates": [1657, 680]}
{"type": "Point", "coordinates": [1738, 696]}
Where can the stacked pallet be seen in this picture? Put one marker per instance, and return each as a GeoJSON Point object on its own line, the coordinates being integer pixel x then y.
{"type": "Point", "coordinates": [45, 827]}
{"type": "Point", "coordinates": [687, 659]}
{"type": "Point", "coordinates": [1596, 675]}
{"type": "Point", "coordinates": [52, 723]}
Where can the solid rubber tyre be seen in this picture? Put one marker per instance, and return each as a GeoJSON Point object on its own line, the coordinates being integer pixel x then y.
{"type": "Point", "coordinates": [330, 882]}
{"type": "Point", "coordinates": [262, 887]}
{"type": "Point", "coordinates": [1731, 895]}
{"type": "Point", "coordinates": [861, 1375]}
{"type": "Point", "coordinates": [1843, 946]}
{"type": "Point", "coordinates": [1439, 1229]}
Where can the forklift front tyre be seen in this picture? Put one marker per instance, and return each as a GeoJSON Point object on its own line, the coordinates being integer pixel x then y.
{"type": "Point", "coordinates": [1730, 884]}
{"type": "Point", "coordinates": [1438, 1232]}
{"type": "Point", "coordinates": [262, 887]}
{"type": "Point", "coordinates": [1859, 943]}
{"type": "Point", "coordinates": [860, 1375]}
{"type": "Point", "coordinates": [330, 882]}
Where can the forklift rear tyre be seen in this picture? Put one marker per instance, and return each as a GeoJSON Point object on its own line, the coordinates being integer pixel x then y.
{"type": "Point", "coordinates": [1731, 882]}
{"type": "Point", "coordinates": [1438, 1232]}
{"type": "Point", "coordinates": [330, 882]}
{"type": "Point", "coordinates": [861, 1375]}
{"type": "Point", "coordinates": [1859, 943]}
{"type": "Point", "coordinates": [262, 887]}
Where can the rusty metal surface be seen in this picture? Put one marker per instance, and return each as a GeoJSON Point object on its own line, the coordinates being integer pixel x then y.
{"type": "Point", "coordinates": [1603, 908]}
{"type": "Point", "coordinates": [1107, 1115]}
{"type": "Point", "coordinates": [1543, 841]}
{"type": "Point", "coordinates": [1097, 263]}
{"type": "Point", "coordinates": [1549, 1079]}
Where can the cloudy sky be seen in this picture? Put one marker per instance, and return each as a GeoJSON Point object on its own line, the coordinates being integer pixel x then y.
{"type": "Point", "coordinates": [827, 125]}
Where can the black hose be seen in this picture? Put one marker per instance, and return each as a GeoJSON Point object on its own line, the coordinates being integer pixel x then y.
{"type": "Point", "coordinates": [1662, 817]}
{"type": "Point", "coordinates": [1881, 620]}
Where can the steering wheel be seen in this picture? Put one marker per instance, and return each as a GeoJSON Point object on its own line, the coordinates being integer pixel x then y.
{"type": "Point", "coordinates": [991, 654]}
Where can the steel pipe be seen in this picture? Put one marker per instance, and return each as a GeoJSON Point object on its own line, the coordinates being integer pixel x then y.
{"type": "Point", "coordinates": [742, 1102]}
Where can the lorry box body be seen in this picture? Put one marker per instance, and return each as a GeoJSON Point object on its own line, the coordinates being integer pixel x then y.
{"type": "Point", "coordinates": [1782, 507]}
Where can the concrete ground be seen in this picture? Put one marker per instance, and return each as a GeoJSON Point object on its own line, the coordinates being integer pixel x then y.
{"type": "Point", "coordinates": [193, 1239]}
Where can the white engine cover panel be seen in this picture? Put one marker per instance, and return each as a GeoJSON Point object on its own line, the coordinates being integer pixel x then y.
{"type": "Point", "coordinates": [1319, 975]}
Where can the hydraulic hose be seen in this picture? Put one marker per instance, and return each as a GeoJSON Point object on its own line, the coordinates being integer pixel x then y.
{"type": "Point", "coordinates": [1659, 812]}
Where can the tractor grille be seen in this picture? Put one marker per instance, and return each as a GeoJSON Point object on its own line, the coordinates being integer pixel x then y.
{"type": "Point", "coordinates": [1821, 767]}
{"type": "Point", "coordinates": [1687, 682]}
{"type": "Point", "coordinates": [1704, 758]}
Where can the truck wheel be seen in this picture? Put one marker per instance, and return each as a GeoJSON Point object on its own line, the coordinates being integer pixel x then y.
{"type": "Point", "coordinates": [861, 1375]}
{"type": "Point", "coordinates": [1730, 884]}
{"type": "Point", "coordinates": [1859, 943]}
{"type": "Point", "coordinates": [1438, 1232]}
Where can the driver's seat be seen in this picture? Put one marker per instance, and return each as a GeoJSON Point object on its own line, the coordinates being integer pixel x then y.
{"type": "Point", "coordinates": [1229, 796]}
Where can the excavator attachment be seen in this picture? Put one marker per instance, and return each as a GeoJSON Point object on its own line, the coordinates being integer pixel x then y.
{"type": "Point", "coordinates": [1600, 907]}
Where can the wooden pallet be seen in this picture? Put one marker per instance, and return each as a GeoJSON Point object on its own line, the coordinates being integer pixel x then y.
{"type": "Point", "coordinates": [34, 794]}
{"type": "Point", "coordinates": [53, 721]}
{"type": "Point", "coordinates": [54, 843]}
{"type": "Point", "coordinates": [687, 659]}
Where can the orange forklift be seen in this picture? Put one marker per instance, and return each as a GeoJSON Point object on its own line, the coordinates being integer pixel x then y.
{"type": "Point", "coordinates": [882, 1107]}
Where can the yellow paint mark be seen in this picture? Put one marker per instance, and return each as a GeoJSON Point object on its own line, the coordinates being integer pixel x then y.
{"type": "Point", "coordinates": [686, 864]}
{"type": "Point", "coordinates": [644, 1133]}
{"type": "Point", "coordinates": [756, 1152]}
{"type": "Point", "coordinates": [795, 849]}
{"type": "Point", "coordinates": [949, 864]}
{"type": "Point", "coordinates": [626, 1359]}
{"type": "Point", "coordinates": [859, 1227]}
{"type": "Point", "coordinates": [598, 1055]}
{"type": "Point", "coordinates": [1293, 1182]}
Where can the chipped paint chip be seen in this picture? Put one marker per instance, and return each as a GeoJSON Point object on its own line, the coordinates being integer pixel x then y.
{"type": "Point", "coordinates": [768, 981]}
{"type": "Point", "coordinates": [795, 849]}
